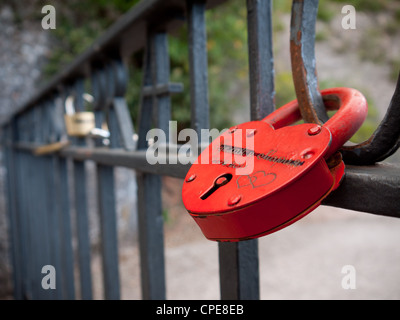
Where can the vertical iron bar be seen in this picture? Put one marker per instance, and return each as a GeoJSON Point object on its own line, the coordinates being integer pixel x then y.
{"type": "Point", "coordinates": [119, 106]}
{"type": "Point", "coordinates": [41, 214]}
{"type": "Point", "coordinates": [161, 74]}
{"type": "Point", "coordinates": [103, 85]}
{"type": "Point", "coordinates": [151, 237]}
{"type": "Point", "coordinates": [67, 258]}
{"type": "Point", "coordinates": [29, 200]}
{"type": "Point", "coordinates": [82, 221]}
{"type": "Point", "coordinates": [62, 201]}
{"type": "Point", "coordinates": [53, 186]}
{"type": "Point", "coordinates": [198, 65]}
{"type": "Point", "coordinates": [109, 238]}
{"type": "Point", "coordinates": [239, 275]}
{"type": "Point", "coordinates": [10, 163]}
{"type": "Point", "coordinates": [239, 262]}
{"type": "Point", "coordinates": [261, 59]}
{"type": "Point", "coordinates": [125, 124]}
{"type": "Point", "coordinates": [108, 220]}
{"type": "Point", "coordinates": [52, 182]}
{"type": "Point", "coordinates": [26, 210]}
{"type": "Point", "coordinates": [82, 218]}
{"type": "Point", "coordinates": [151, 233]}
{"type": "Point", "coordinates": [26, 264]}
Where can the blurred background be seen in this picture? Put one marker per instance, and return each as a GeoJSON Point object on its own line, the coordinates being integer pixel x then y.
{"type": "Point", "coordinates": [293, 264]}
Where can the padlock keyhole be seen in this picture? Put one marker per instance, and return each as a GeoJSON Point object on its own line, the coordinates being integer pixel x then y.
{"type": "Point", "coordinates": [218, 183]}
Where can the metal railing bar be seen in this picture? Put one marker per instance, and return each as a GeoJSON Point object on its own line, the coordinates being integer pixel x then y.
{"type": "Point", "coordinates": [162, 89]}
{"type": "Point", "coordinates": [135, 160]}
{"type": "Point", "coordinates": [108, 228]}
{"type": "Point", "coordinates": [52, 185]}
{"type": "Point", "coordinates": [240, 278]}
{"type": "Point", "coordinates": [67, 256]}
{"type": "Point", "coordinates": [25, 192]}
{"type": "Point", "coordinates": [106, 192]}
{"type": "Point", "coordinates": [40, 217]}
{"type": "Point", "coordinates": [198, 62]}
{"type": "Point", "coordinates": [121, 124]}
{"type": "Point", "coordinates": [244, 272]}
{"type": "Point", "coordinates": [81, 206]}
{"type": "Point", "coordinates": [384, 141]}
{"type": "Point", "coordinates": [302, 52]}
{"type": "Point", "coordinates": [125, 124]}
{"type": "Point", "coordinates": [146, 102]}
{"type": "Point", "coordinates": [151, 237]}
{"type": "Point", "coordinates": [51, 190]}
{"type": "Point", "coordinates": [385, 177]}
{"type": "Point", "coordinates": [35, 218]}
{"type": "Point", "coordinates": [82, 227]}
{"type": "Point", "coordinates": [386, 138]}
{"type": "Point", "coordinates": [371, 189]}
{"type": "Point", "coordinates": [261, 59]}
{"type": "Point", "coordinates": [11, 196]}
{"type": "Point", "coordinates": [154, 110]}
{"type": "Point", "coordinates": [27, 248]}
{"type": "Point", "coordinates": [161, 75]}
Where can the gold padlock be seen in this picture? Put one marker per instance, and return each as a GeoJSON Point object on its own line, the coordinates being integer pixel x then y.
{"type": "Point", "coordinates": [78, 124]}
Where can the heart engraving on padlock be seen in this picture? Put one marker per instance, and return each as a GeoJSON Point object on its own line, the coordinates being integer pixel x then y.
{"type": "Point", "coordinates": [256, 180]}
{"type": "Point", "coordinates": [290, 175]}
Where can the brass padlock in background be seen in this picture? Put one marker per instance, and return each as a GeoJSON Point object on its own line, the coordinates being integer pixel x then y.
{"type": "Point", "coordinates": [78, 124]}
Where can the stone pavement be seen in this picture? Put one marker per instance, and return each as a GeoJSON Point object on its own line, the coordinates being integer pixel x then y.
{"type": "Point", "coordinates": [303, 261]}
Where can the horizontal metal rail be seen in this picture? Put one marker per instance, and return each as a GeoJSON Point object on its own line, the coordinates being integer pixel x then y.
{"type": "Point", "coordinates": [370, 189]}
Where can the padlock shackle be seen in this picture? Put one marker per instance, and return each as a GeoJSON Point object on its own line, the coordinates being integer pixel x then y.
{"type": "Point", "coordinates": [70, 103]}
{"type": "Point", "coordinates": [352, 110]}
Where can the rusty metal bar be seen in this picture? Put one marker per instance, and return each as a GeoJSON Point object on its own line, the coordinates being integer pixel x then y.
{"type": "Point", "coordinates": [302, 40]}
{"type": "Point", "coordinates": [384, 141]}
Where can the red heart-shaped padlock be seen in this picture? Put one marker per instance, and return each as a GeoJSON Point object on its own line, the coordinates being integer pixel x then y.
{"type": "Point", "coordinates": [261, 176]}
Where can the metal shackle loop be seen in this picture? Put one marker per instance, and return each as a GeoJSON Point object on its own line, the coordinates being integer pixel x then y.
{"type": "Point", "coordinates": [351, 108]}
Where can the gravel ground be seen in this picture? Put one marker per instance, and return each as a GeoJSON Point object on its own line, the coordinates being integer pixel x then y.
{"type": "Point", "coordinates": [303, 261]}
